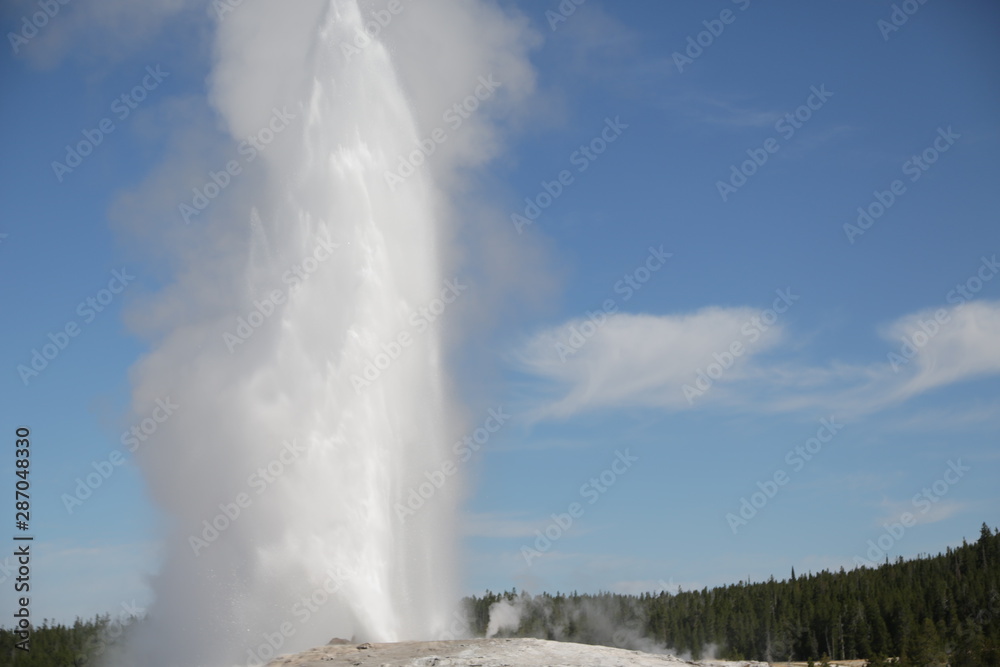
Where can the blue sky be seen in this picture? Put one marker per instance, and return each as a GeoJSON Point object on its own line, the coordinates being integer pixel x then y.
{"type": "Point", "coordinates": [579, 404]}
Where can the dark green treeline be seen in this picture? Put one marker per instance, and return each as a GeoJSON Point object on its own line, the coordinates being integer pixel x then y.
{"type": "Point", "coordinates": [929, 611]}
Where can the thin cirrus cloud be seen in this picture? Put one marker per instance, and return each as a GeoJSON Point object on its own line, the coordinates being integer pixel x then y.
{"type": "Point", "coordinates": [966, 346]}
{"type": "Point", "coordinates": [648, 360]}
{"type": "Point", "coordinates": [642, 360]}
{"type": "Point", "coordinates": [926, 350]}
{"type": "Point", "coordinates": [920, 512]}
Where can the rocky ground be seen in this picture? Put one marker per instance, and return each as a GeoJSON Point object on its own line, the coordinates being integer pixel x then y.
{"type": "Point", "coordinates": [486, 653]}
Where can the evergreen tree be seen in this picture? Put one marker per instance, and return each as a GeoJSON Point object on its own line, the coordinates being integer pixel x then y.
{"type": "Point", "coordinates": [929, 611]}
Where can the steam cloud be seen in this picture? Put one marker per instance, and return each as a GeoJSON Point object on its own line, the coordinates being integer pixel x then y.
{"type": "Point", "coordinates": [278, 474]}
{"type": "Point", "coordinates": [599, 620]}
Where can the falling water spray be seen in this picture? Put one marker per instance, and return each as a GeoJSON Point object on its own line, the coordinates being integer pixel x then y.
{"type": "Point", "coordinates": [279, 474]}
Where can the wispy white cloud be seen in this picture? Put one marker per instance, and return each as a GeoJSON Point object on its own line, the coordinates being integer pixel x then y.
{"type": "Point", "coordinates": [864, 480]}
{"type": "Point", "coordinates": [965, 346]}
{"type": "Point", "coordinates": [950, 419]}
{"type": "Point", "coordinates": [721, 111]}
{"type": "Point", "coordinates": [639, 359]}
{"type": "Point", "coordinates": [928, 512]}
{"type": "Point", "coordinates": [653, 361]}
{"type": "Point", "coordinates": [595, 46]}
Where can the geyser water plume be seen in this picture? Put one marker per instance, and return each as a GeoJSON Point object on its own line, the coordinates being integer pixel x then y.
{"type": "Point", "coordinates": [281, 468]}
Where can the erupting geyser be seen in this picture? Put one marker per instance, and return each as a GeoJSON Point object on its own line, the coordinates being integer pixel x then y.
{"type": "Point", "coordinates": [310, 391]}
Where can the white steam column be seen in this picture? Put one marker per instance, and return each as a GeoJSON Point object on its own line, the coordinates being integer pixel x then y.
{"type": "Point", "coordinates": [277, 424]}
